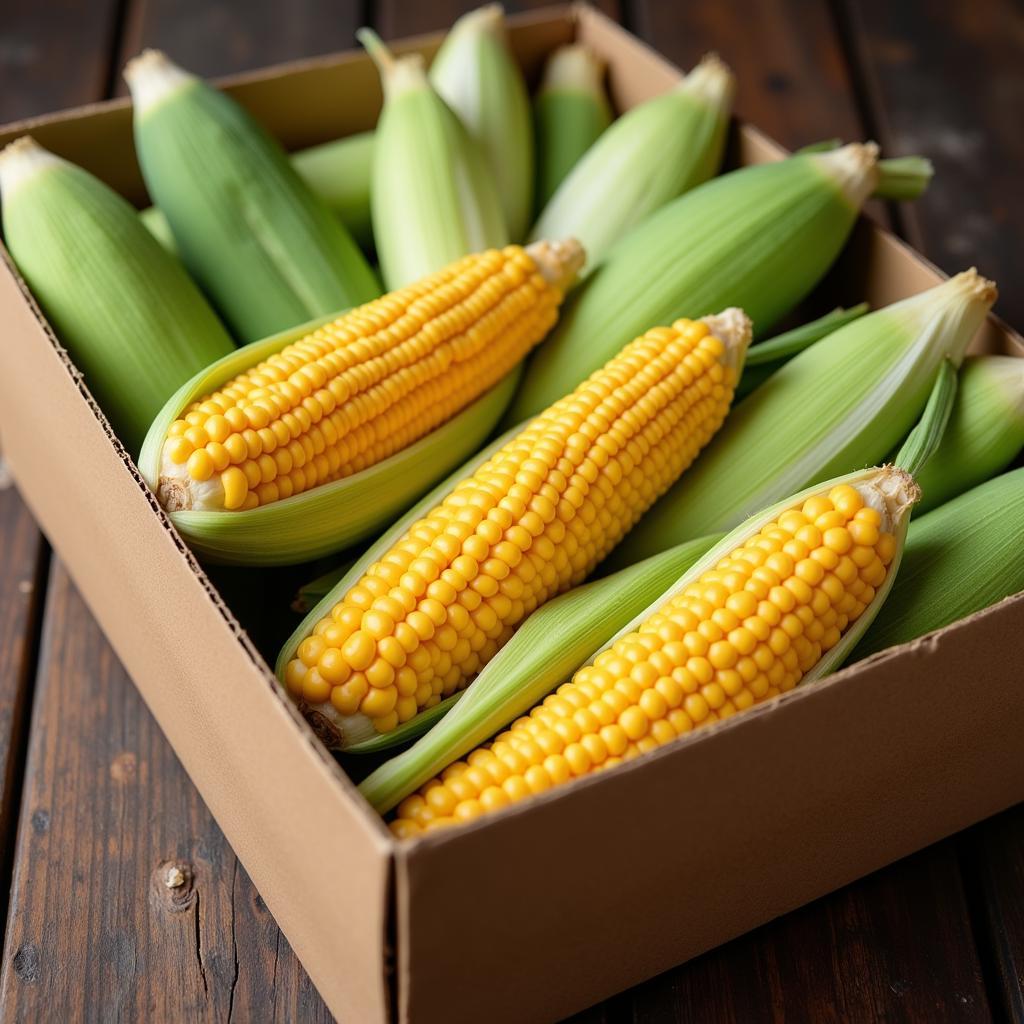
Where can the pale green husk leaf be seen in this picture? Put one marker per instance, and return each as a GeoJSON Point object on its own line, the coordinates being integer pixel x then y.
{"type": "Point", "coordinates": [133, 321]}
{"type": "Point", "coordinates": [432, 197]}
{"type": "Point", "coordinates": [264, 247]}
{"type": "Point", "coordinates": [960, 558]}
{"type": "Point", "coordinates": [844, 402]}
{"type": "Point", "coordinates": [477, 76]}
{"type": "Point", "coordinates": [651, 154]}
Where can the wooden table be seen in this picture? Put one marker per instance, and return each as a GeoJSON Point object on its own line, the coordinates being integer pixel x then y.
{"type": "Point", "coordinates": [93, 803]}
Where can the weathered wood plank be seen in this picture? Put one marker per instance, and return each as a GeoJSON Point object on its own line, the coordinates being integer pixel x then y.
{"type": "Point", "coordinates": [793, 82]}
{"type": "Point", "coordinates": [127, 901]}
{"type": "Point", "coordinates": [51, 58]}
{"type": "Point", "coordinates": [397, 18]}
{"type": "Point", "coordinates": [893, 946]}
{"type": "Point", "coordinates": [23, 557]}
{"type": "Point", "coordinates": [226, 36]}
{"type": "Point", "coordinates": [945, 80]}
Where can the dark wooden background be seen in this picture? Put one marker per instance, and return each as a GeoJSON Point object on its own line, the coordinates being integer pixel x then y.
{"type": "Point", "coordinates": [94, 807]}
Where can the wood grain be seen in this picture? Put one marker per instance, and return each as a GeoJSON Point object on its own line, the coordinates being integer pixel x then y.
{"type": "Point", "coordinates": [54, 57]}
{"type": "Point", "coordinates": [127, 901]}
{"type": "Point", "coordinates": [793, 81]}
{"type": "Point", "coordinates": [225, 36]}
{"type": "Point", "coordinates": [945, 80]}
{"type": "Point", "coordinates": [396, 18]}
{"type": "Point", "coordinates": [23, 558]}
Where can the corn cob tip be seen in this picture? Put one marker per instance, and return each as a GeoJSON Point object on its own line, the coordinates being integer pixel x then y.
{"type": "Point", "coordinates": [892, 492]}
{"type": "Point", "coordinates": [734, 329]}
{"type": "Point", "coordinates": [334, 730]}
{"type": "Point", "coordinates": [854, 169]}
{"type": "Point", "coordinates": [397, 74]}
{"type": "Point", "coordinates": [152, 76]}
{"type": "Point", "coordinates": [558, 262]}
{"type": "Point", "coordinates": [23, 159]}
{"type": "Point", "coordinates": [711, 80]}
{"type": "Point", "coordinates": [975, 286]}
{"type": "Point", "coordinates": [573, 67]}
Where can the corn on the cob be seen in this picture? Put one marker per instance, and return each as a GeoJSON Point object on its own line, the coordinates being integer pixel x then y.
{"type": "Point", "coordinates": [530, 666]}
{"type": "Point", "coordinates": [844, 402]}
{"type": "Point", "coordinates": [533, 520]}
{"type": "Point", "coordinates": [328, 516]}
{"type": "Point", "coordinates": [620, 181]}
{"type": "Point", "coordinates": [262, 245]}
{"type": "Point", "coordinates": [570, 112]}
{"type": "Point", "coordinates": [960, 558]}
{"type": "Point", "coordinates": [130, 316]}
{"type": "Point", "coordinates": [365, 386]}
{"type": "Point", "coordinates": [338, 172]}
{"type": "Point", "coordinates": [432, 198]}
{"type": "Point", "coordinates": [759, 238]}
{"type": "Point", "coordinates": [985, 433]}
{"type": "Point", "coordinates": [764, 359]}
{"type": "Point", "coordinates": [778, 602]}
{"type": "Point", "coordinates": [477, 76]}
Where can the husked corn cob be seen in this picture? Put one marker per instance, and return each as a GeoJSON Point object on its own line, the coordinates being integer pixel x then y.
{"type": "Point", "coordinates": [960, 558]}
{"type": "Point", "coordinates": [354, 391]}
{"type": "Point", "coordinates": [265, 248]}
{"type": "Point", "coordinates": [433, 199]}
{"type": "Point", "coordinates": [134, 322]}
{"type": "Point", "coordinates": [759, 238]}
{"type": "Point", "coordinates": [533, 520]}
{"type": "Point", "coordinates": [570, 112]}
{"type": "Point", "coordinates": [477, 76]}
{"type": "Point", "coordinates": [774, 604]}
{"type": "Point", "coordinates": [846, 401]}
{"type": "Point", "coordinates": [619, 182]}
{"type": "Point", "coordinates": [985, 433]}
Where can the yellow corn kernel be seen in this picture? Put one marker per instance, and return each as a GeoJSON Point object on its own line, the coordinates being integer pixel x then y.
{"type": "Point", "coordinates": [367, 385]}
{"type": "Point", "coordinates": [652, 697]}
{"type": "Point", "coordinates": [543, 511]}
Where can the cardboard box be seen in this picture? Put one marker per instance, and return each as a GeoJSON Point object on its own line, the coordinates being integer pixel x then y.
{"type": "Point", "coordinates": [562, 901]}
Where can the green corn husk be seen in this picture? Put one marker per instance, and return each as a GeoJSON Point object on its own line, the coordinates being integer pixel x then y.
{"type": "Point", "coordinates": [759, 238]}
{"type": "Point", "coordinates": [650, 155]}
{"type": "Point", "coordinates": [479, 79]}
{"type": "Point", "coordinates": [960, 558]}
{"type": "Point", "coordinates": [529, 667]}
{"type": "Point", "coordinates": [338, 172]}
{"type": "Point", "coordinates": [131, 318]}
{"type": "Point", "coordinates": [433, 199]}
{"type": "Point", "coordinates": [844, 402]}
{"type": "Point", "coordinates": [764, 359]}
{"type": "Point", "coordinates": [985, 433]}
{"type": "Point", "coordinates": [262, 245]}
{"type": "Point", "coordinates": [331, 516]}
{"type": "Point", "coordinates": [570, 112]}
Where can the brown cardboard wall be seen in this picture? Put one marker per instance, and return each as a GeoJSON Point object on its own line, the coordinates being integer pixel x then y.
{"type": "Point", "coordinates": [320, 860]}
{"type": "Point", "coordinates": [590, 889]}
